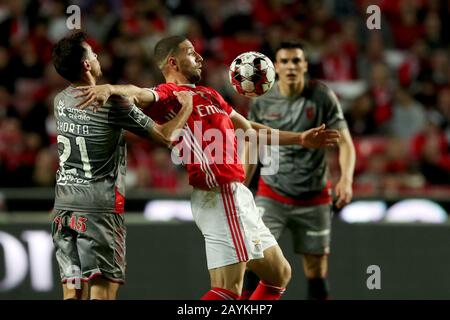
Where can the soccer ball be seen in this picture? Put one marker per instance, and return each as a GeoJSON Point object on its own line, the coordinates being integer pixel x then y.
{"type": "Point", "coordinates": [252, 74]}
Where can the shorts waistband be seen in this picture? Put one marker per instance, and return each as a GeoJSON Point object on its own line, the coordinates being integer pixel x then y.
{"type": "Point", "coordinates": [219, 188]}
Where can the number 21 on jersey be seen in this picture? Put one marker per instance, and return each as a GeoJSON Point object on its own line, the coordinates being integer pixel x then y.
{"type": "Point", "coordinates": [67, 149]}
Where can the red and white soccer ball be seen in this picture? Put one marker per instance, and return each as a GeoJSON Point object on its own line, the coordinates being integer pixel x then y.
{"type": "Point", "coordinates": [252, 74]}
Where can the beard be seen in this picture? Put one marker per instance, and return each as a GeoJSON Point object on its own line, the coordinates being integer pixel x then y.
{"type": "Point", "coordinates": [194, 78]}
{"type": "Point", "coordinates": [192, 75]}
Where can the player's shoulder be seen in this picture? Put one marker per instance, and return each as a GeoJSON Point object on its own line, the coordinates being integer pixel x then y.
{"type": "Point", "coordinates": [58, 97]}
{"type": "Point", "coordinates": [267, 98]}
{"type": "Point", "coordinates": [317, 86]}
{"type": "Point", "coordinates": [66, 92]}
{"type": "Point", "coordinates": [66, 97]}
{"type": "Point", "coordinates": [208, 90]}
{"type": "Point", "coordinates": [164, 88]}
{"type": "Point", "coordinates": [316, 89]}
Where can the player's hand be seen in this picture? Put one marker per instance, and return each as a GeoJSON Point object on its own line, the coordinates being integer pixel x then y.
{"type": "Point", "coordinates": [344, 192]}
{"type": "Point", "coordinates": [184, 98]}
{"type": "Point", "coordinates": [319, 137]}
{"type": "Point", "coordinates": [95, 96]}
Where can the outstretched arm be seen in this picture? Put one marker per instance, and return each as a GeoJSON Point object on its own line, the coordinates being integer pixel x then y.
{"type": "Point", "coordinates": [313, 138]}
{"type": "Point", "coordinates": [99, 94]}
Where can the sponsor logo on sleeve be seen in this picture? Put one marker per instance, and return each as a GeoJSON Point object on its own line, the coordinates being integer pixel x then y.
{"type": "Point", "coordinates": [137, 115]}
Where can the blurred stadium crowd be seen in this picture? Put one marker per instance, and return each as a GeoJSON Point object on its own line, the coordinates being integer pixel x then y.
{"type": "Point", "coordinates": [393, 83]}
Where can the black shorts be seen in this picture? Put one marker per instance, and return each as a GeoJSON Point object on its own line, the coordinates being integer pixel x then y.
{"type": "Point", "coordinates": [89, 245]}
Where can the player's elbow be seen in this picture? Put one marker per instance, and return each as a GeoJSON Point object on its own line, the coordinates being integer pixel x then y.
{"type": "Point", "coordinates": [163, 134]}
{"type": "Point", "coordinates": [143, 98]}
{"type": "Point", "coordinates": [251, 135]}
{"type": "Point", "coordinates": [167, 134]}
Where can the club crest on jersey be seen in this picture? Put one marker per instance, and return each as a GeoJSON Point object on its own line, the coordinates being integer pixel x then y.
{"type": "Point", "coordinates": [309, 112]}
{"type": "Point", "coordinates": [257, 245]}
{"type": "Point", "coordinates": [202, 94]}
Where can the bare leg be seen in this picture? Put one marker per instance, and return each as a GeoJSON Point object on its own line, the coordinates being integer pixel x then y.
{"type": "Point", "coordinates": [228, 277]}
{"type": "Point", "coordinates": [70, 293]}
{"type": "Point", "coordinates": [273, 269]}
{"type": "Point", "coordinates": [315, 266]}
{"type": "Point", "coordinates": [316, 269]}
{"type": "Point", "coordinates": [103, 289]}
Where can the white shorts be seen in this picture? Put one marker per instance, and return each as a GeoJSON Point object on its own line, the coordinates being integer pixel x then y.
{"type": "Point", "coordinates": [231, 224]}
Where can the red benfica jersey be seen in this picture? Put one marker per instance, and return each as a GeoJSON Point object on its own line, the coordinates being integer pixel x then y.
{"type": "Point", "coordinates": [208, 145]}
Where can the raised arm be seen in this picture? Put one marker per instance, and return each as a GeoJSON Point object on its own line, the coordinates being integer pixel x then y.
{"type": "Point", "coordinates": [99, 94]}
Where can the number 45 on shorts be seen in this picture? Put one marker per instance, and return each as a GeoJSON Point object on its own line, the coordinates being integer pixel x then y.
{"type": "Point", "coordinates": [77, 223]}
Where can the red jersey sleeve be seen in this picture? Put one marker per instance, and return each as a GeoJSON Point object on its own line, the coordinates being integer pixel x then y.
{"type": "Point", "coordinates": [165, 101]}
{"type": "Point", "coordinates": [161, 92]}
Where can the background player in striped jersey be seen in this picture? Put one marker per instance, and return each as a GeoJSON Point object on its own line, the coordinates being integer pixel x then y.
{"type": "Point", "coordinates": [298, 197]}
{"type": "Point", "coordinates": [223, 208]}
{"type": "Point", "coordinates": [88, 228]}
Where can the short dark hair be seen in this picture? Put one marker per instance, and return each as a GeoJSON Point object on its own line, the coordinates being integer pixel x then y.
{"type": "Point", "coordinates": [166, 47]}
{"type": "Point", "coordinates": [68, 54]}
{"type": "Point", "coordinates": [291, 45]}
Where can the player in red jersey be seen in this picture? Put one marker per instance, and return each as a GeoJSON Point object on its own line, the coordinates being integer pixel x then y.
{"type": "Point", "coordinates": [223, 208]}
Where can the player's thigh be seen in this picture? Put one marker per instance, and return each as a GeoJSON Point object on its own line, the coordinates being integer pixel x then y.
{"type": "Point", "coordinates": [71, 292]}
{"type": "Point", "coordinates": [103, 289]}
{"type": "Point", "coordinates": [101, 246]}
{"type": "Point", "coordinates": [221, 228]}
{"type": "Point", "coordinates": [311, 229]}
{"type": "Point", "coordinates": [228, 277]}
{"type": "Point", "coordinates": [273, 215]}
{"type": "Point", "coordinates": [66, 250]}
